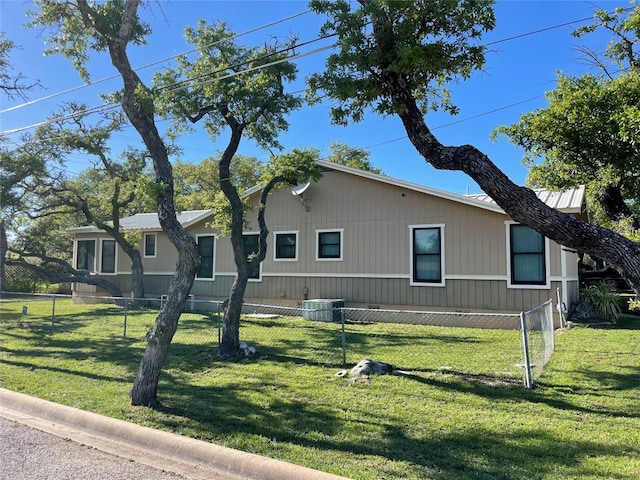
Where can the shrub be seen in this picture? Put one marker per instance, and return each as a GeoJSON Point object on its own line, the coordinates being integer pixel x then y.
{"type": "Point", "coordinates": [604, 300]}
{"type": "Point", "coordinates": [634, 305]}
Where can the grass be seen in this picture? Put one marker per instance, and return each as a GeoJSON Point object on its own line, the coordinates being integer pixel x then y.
{"type": "Point", "coordinates": [582, 421]}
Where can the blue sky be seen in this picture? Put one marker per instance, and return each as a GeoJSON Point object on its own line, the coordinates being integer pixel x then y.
{"type": "Point", "coordinates": [525, 54]}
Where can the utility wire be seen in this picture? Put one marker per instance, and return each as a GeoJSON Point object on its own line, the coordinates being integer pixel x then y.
{"type": "Point", "coordinates": [173, 57]}
{"type": "Point", "coordinates": [108, 106]}
{"type": "Point", "coordinates": [461, 120]}
{"type": "Point", "coordinates": [103, 107]}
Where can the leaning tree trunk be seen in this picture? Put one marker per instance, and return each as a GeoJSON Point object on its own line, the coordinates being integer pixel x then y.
{"type": "Point", "coordinates": [520, 203]}
{"type": "Point", "coordinates": [230, 344]}
{"type": "Point", "coordinates": [139, 110]}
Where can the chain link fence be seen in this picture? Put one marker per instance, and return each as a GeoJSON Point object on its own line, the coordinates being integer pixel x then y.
{"type": "Point", "coordinates": [478, 346]}
{"type": "Point", "coordinates": [538, 340]}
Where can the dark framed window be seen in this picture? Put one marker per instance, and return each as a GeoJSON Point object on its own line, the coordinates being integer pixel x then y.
{"type": "Point", "coordinates": [86, 255]}
{"type": "Point", "coordinates": [427, 255]}
{"type": "Point", "coordinates": [527, 250]}
{"type": "Point", "coordinates": [150, 244]}
{"type": "Point", "coordinates": [286, 247]}
{"type": "Point", "coordinates": [206, 244]}
{"type": "Point", "coordinates": [330, 245]}
{"type": "Point", "coordinates": [250, 250]}
{"type": "Point", "coordinates": [108, 257]}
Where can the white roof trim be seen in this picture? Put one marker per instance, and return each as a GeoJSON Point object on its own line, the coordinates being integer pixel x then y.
{"type": "Point", "coordinates": [411, 186]}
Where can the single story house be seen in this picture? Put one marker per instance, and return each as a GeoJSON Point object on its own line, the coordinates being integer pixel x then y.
{"type": "Point", "coordinates": [369, 239]}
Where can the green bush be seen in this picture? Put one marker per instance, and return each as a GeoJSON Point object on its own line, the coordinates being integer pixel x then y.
{"type": "Point", "coordinates": [604, 300]}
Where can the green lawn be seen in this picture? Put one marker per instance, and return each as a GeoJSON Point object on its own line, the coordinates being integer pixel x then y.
{"type": "Point", "coordinates": [473, 420]}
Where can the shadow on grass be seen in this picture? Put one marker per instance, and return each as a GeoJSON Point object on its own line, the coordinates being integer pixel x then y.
{"type": "Point", "coordinates": [60, 354]}
{"type": "Point", "coordinates": [471, 453]}
{"type": "Point", "coordinates": [228, 411]}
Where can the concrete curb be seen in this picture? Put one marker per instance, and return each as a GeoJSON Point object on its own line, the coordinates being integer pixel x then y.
{"type": "Point", "coordinates": [185, 456]}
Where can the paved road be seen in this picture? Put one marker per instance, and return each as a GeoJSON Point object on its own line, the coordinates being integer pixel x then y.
{"type": "Point", "coordinates": [30, 454]}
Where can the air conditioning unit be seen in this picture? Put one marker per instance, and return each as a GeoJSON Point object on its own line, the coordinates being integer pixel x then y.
{"type": "Point", "coordinates": [322, 310]}
{"type": "Point", "coordinates": [190, 302]}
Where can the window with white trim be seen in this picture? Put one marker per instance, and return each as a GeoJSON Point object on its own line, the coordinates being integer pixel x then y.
{"type": "Point", "coordinates": [108, 256]}
{"type": "Point", "coordinates": [150, 240]}
{"type": "Point", "coordinates": [329, 244]}
{"type": "Point", "coordinates": [427, 254]}
{"type": "Point", "coordinates": [86, 255]}
{"type": "Point", "coordinates": [206, 250]}
{"type": "Point", "coordinates": [285, 246]}
{"type": "Point", "coordinates": [527, 252]}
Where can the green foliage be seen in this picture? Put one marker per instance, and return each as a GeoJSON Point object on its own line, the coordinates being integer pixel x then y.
{"type": "Point", "coordinates": [72, 38]}
{"type": "Point", "coordinates": [353, 157]}
{"type": "Point", "coordinates": [19, 279]}
{"type": "Point", "coordinates": [12, 84]}
{"type": "Point", "coordinates": [295, 167]}
{"type": "Point", "coordinates": [196, 184]}
{"type": "Point", "coordinates": [587, 135]}
{"type": "Point", "coordinates": [223, 213]}
{"type": "Point", "coordinates": [604, 300]}
{"type": "Point", "coordinates": [228, 84]}
{"type": "Point", "coordinates": [624, 24]}
{"type": "Point", "coordinates": [432, 43]}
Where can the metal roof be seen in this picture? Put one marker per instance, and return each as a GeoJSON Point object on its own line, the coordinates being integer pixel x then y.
{"type": "Point", "coordinates": [149, 221]}
{"type": "Point", "coordinates": [568, 201]}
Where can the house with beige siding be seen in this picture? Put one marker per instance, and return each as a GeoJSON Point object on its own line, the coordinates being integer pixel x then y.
{"type": "Point", "coordinates": [368, 239]}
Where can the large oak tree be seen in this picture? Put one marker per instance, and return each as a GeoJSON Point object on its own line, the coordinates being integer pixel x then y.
{"type": "Point", "coordinates": [240, 90]}
{"type": "Point", "coordinates": [588, 133]}
{"type": "Point", "coordinates": [81, 28]}
{"type": "Point", "coordinates": [395, 58]}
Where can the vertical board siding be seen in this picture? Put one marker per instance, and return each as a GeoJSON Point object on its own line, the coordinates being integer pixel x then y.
{"type": "Point", "coordinates": [375, 217]}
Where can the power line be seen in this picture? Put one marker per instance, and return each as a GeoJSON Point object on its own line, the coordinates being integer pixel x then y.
{"type": "Point", "coordinates": [102, 80]}
{"type": "Point", "coordinates": [108, 106]}
{"type": "Point", "coordinates": [253, 30]}
{"type": "Point", "coordinates": [179, 86]}
{"type": "Point", "coordinates": [188, 82]}
{"type": "Point", "coordinates": [462, 120]}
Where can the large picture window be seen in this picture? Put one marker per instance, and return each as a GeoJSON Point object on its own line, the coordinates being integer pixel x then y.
{"type": "Point", "coordinates": [527, 256]}
{"type": "Point", "coordinates": [206, 244]}
{"type": "Point", "coordinates": [329, 244]}
{"type": "Point", "coordinates": [286, 246]}
{"type": "Point", "coordinates": [86, 255]}
{"type": "Point", "coordinates": [108, 257]}
{"type": "Point", "coordinates": [251, 249]}
{"type": "Point", "coordinates": [427, 261]}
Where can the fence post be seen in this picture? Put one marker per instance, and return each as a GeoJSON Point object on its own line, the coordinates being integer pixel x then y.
{"type": "Point", "coordinates": [219, 326]}
{"type": "Point", "coordinates": [525, 344]}
{"type": "Point", "coordinates": [126, 311]}
{"type": "Point", "coordinates": [344, 337]}
{"type": "Point", "coordinates": [53, 311]}
{"type": "Point", "coordinates": [550, 318]}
